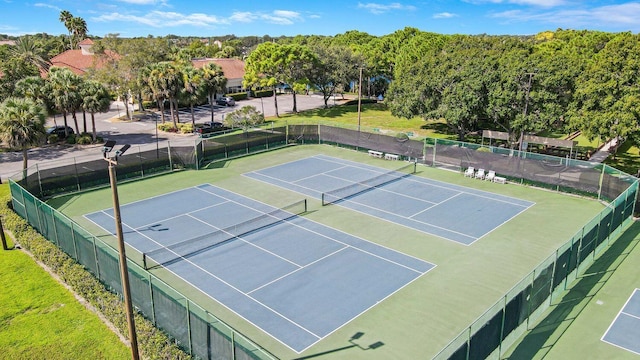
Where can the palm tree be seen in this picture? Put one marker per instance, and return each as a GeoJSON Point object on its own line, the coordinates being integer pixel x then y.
{"type": "Point", "coordinates": [165, 79]}
{"type": "Point", "coordinates": [192, 92]}
{"type": "Point", "coordinates": [32, 87]}
{"type": "Point", "coordinates": [76, 26]}
{"type": "Point", "coordinates": [214, 83]}
{"type": "Point", "coordinates": [78, 29]}
{"type": "Point", "coordinates": [65, 18]}
{"type": "Point", "coordinates": [64, 88]}
{"type": "Point", "coordinates": [22, 124]}
{"type": "Point", "coordinates": [28, 51]}
{"type": "Point", "coordinates": [95, 98]}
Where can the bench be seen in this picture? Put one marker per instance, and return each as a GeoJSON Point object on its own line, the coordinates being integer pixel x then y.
{"type": "Point", "coordinates": [374, 153]}
{"type": "Point", "coordinates": [499, 179]}
{"type": "Point", "coordinates": [391, 156]}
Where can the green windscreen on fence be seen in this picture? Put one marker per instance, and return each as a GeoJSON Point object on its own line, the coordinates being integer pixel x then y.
{"type": "Point", "coordinates": [503, 323]}
{"type": "Point", "coordinates": [196, 331]}
{"type": "Point", "coordinates": [204, 336]}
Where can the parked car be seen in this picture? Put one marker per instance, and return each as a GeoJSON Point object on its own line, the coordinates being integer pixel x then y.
{"type": "Point", "coordinates": [208, 127]}
{"type": "Point", "coordinates": [226, 101]}
{"type": "Point", "coordinates": [60, 131]}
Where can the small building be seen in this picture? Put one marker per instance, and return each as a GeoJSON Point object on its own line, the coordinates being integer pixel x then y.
{"type": "Point", "coordinates": [233, 70]}
{"type": "Point", "coordinates": [83, 59]}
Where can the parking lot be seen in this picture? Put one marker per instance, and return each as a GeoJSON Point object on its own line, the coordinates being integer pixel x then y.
{"type": "Point", "coordinates": [142, 133]}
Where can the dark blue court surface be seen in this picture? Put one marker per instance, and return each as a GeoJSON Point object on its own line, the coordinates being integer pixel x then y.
{"type": "Point", "coordinates": [624, 331]}
{"type": "Point", "coordinates": [295, 279]}
{"type": "Point", "coordinates": [449, 211]}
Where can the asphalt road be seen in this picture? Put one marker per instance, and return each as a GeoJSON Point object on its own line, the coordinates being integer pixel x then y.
{"type": "Point", "coordinates": [141, 133]}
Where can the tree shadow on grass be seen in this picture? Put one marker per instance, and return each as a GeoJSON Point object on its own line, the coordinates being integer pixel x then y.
{"type": "Point", "coordinates": [337, 111]}
{"type": "Point", "coordinates": [541, 339]}
{"type": "Point", "coordinates": [437, 127]}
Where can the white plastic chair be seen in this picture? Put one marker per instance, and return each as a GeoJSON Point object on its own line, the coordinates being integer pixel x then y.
{"type": "Point", "coordinates": [480, 174]}
{"type": "Point", "coordinates": [470, 172]}
{"type": "Point", "coordinates": [490, 175]}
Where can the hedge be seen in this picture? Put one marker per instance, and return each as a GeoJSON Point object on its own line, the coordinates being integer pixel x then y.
{"type": "Point", "coordinates": [152, 343]}
{"type": "Point", "coordinates": [238, 96]}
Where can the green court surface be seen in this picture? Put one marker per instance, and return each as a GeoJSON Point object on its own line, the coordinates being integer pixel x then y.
{"type": "Point", "coordinates": [573, 327]}
{"type": "Point", "coordinates": [421, 318]}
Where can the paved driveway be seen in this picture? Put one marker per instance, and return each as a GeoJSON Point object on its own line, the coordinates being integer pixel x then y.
{"type": "Point", "coordinates": [142, 133]}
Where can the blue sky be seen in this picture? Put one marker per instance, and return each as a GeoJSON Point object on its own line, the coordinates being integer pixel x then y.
{"type": "Point", "coordinates": [131, 18]}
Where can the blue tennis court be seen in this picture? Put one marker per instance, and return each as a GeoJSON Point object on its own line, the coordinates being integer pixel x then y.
{"type": "Point", "coordinates": [624, 331]}
{"type": "Point", "coordinates": [295, 279]}
{"type": "Point", "coordinates": [453, 212]}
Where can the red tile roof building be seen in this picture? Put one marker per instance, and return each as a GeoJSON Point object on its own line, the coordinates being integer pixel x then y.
{"type": "Point", "coordinates": [233, 70]}
{"type": "Point", "coordinates": [81, 60]}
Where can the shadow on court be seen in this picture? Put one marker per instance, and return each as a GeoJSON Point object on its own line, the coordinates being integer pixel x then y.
{"type": "Point", "coordinates": [541, 339]}
{"type": "Point", "coordinates": [354, 344]}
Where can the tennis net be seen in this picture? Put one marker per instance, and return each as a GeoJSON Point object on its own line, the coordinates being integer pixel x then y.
{"type": "Point", "coordinates": [167, 255]}
{"type": "Point", "coordinates": [343, 193]}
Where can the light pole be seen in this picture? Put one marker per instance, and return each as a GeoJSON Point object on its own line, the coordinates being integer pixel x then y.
{"type": "Point", "coordinates": [262, 104]}
{"type": "Point", "coordinates": [157, 145]}
{"type": "Point", "coordinates": [359, 100]}
{"type": "Point", "coordinates": [124, 272]}
{"type": "Point", "coordinates": [524, 113]}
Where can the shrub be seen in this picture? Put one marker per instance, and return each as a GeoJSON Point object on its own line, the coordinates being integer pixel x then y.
{"type": "Point", "coordinates": [84, 139]}
{"type": "Point", "coordinates": [152, 342]}
{"type": "Point", "coordinates": [186, 128]}
{"type": "Point", "coordinates": [53, 138]}
{"type": "Point", "coordinates": [238, 96]}
{"type": "Point", "coordinates": [167, 126]}
{"type": "Point", "coordinates": [262, 93]}
{"type": "Point", "coordinates": [149, 104]}
{"type": "Point", "coordinates": [71, 139]}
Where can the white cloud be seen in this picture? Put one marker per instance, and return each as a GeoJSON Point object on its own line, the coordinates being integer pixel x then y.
{"type": "Point", "coordinates": [540, 3]}
{"type": "Point", "coordinates": [615, 17]}
{"type": "Point", "coordinates": [279, 17]}
{"type": "Point", "coordinates": [47, 6]}
{"type": "Point", "coordinates": [376, 8]}
{"type": "Point", "coordinates": [143, 2]}
{"type": "Point", "coordinates": [164, 19]}
{"type": "Point", "coordinates": [243, 16]}
{"type": "Point", "coordinates": [160, 19]}
{"type": "Point", "coordinates": [444, 15]}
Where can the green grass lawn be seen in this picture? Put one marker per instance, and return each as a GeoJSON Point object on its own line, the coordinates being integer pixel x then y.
{"type": "Point", "coordinates": [627, 158]}
{"type": "Point", "coordinates": [376, 117]}
{"type": "Point", "coordinates": [40, 319]}
{"type": "Point", "coordinates": [372, 116]}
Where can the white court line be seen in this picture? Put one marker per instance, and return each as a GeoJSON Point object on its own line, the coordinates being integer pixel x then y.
{"type": "Point", "coordinates": [264, 305]}
{"type": "Point", "coordinates": [331, 238]}
{"type": "Point", "coordinates": [434, 205]}
{"type": "Point", "coordinates": [183, 214]}
{"type": "Point", "coordinates": [296, 270]}
{"type": "Point", "coordinates": [383, 219]}
{"type": "Point", "coordinates": [230, 286]}
{"type": "Point", "coordinates": [616, 319]}
{"type": "Point", "coordinates": [436, 183]}
{"type": "Point", "coordinates": [245, 241]}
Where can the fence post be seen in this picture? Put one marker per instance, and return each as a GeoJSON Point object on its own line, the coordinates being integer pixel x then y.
{"type": "Point", "coordinates": [601, 181]}
{"type": "Point", "coordinates": [435, 146]}
{"type": "Point", "coordinates": [75, 170]}
{"type": "Point", "coordinates": [39, 180]}
{"type": "Point", "coordinates": [169, 153]}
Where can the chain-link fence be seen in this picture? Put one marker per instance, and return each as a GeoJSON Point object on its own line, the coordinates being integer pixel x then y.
{"type": "Point", "coordinates": [194, 329]}
{"type": "Point", "coordinates": [502, 324]}
{"type": "Point", "coordinates": [201, 334]}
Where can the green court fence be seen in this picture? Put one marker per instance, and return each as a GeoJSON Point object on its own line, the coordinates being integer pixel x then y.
{"type": "Point", "coordinates": [194, 329]}
{"type": "Point", "coordinates": [201, 334]}
{"type": "Point", "coordinates": [518, 310]}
